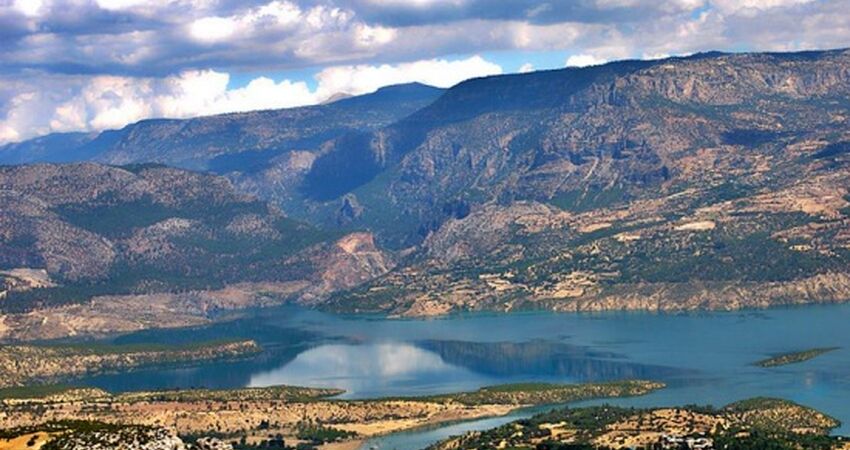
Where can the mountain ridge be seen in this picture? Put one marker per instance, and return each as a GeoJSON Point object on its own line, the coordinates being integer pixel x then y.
{"type": "Point", "coordinates": [711, 181]}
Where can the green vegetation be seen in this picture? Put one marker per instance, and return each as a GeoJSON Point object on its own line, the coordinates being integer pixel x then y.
{"type": "Point", "coordinates": [69, 434]}
{"type": "Point", "coordinates": [318, 434]}
{"type": "Point", "coordinates": [586, 200]}
{"type": "Point", "coordinates": [545, 393]}
{"type": "Point", "coordinates": [101, 348]}
{"type": "Point", "coordinates": [29, 364]}
{"type": "Point", "coordinates": [116, 219]}
{"type": "Point", "coordinates": [758, 440]}
{"type": "Point", "coordinates": [33, 391]}
{"type": "Point", "coordinates": [286, 393]}
{"type": "Point", "coordinates": [794, 357]}
{"type": "Point", "coordinates": [760, 423]}
{"type": "Point", "coordinates": [206, 260]}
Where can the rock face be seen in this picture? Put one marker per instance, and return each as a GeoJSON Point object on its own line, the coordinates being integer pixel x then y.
{"type": "Point", "coordinates": [715, 180]}
{"type": "Point", "coordinates": [348, 263]}
{"type": "Point", "coordinates": [90, 230]}
{"type": "Point", "coordinates": [583, 138]}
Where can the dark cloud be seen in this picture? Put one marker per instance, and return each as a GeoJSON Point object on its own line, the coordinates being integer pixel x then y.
{"type": "Point", "coordinates": [401, 13]}
{"type": "Point", "coordinates": [162, 37]}
{"type": "Point", "coordinates": [66, 44]}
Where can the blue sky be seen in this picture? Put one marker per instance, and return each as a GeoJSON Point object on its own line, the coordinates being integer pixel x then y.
{"type": "Point", "coordinates": [511, 61]}
{"type": "Point", "coordinates": [88, 65]}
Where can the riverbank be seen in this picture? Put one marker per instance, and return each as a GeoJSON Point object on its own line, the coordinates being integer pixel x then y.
{"type": "Point", "coordinates": [754, 423]}
{"type": "Point", "coordinates": [22, 365]}
{"type": "Point", "coordinates": [296, 414]}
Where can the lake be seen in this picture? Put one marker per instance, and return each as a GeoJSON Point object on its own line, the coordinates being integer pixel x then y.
{"type": "Point", "coordinates": [705, 358]}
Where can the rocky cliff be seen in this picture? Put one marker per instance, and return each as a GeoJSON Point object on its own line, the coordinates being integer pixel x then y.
{"type": "Point", "coordinates": [709, 181]}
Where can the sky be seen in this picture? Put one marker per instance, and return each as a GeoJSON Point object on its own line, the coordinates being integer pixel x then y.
{"type": "Point", "coordinates": [89, 65]}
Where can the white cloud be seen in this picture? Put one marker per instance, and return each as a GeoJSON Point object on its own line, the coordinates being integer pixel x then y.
{"type": "Point", "coordinates": [28, 8]}
{"type": "Point", "coordinates": [106, 102]}
{"type": "Point", "coordinates": [213, 29]}
{"type": "Point", "coordinates": [8, 134]}
{"type": "Point", "coordinates": [751, 7]}
{"type": "Point", "coordinates": [367, 36]}
{"type": "Point", "coordinates": [583, 60]}
{"type": "Point", "coordinates": [279, 16]}
{"type": "Point", "coordinates": [659, 55]}
{"type": "Point", "coordinates": [527, 67]}
{"type": "Point", "coordinates": [417, 3]}
{"type": "Point", "coordinates": [436, 72]}
{"type": "Point", "coordinates": [117, 5]}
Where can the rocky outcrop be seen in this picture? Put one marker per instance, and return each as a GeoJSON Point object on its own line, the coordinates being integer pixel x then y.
{"type": "Point", "coordinates": [345, 264]}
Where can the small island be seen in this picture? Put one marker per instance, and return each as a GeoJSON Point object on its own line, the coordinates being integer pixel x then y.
{"type": "Point", "coordinates": [794, 357]}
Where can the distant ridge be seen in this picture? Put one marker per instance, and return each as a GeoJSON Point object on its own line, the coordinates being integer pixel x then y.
{"type": "Point", "coordinates": [192, 143]}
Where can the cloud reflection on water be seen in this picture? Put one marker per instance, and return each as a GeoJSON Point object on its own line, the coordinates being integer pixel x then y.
{"type": "Point", "coordinates": [387, 368]}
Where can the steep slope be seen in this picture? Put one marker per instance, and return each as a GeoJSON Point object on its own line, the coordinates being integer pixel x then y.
{"type": "Point", "coordinates": [89, 229]}
{"type": "Point", "coordinates": [580, 138]}
{"type": "Point", "coordinates": [715, 181]}
{"type": "Point", "coordinates": [712, 181]}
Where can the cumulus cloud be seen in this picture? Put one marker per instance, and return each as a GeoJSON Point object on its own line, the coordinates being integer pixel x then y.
{"type": "Point", "coordinates": [89, 64]}
{"type": "Point", "coordinates": [583, 60]}
{"type": "Point", "coordinates": [527, 67]}
{"type": "Point", "coordinates": [163, 37]}
{"type": "Point", "coordinates": [435, 72]}
{"type": "Point", "coordinates": [750, 7]}
{"type": "Point", "coordinates": [107, 102]}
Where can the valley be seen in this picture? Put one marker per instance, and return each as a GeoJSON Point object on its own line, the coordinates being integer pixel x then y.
{"type": "Point", "coordinates": [715, 181]}
{"type": "Point", "coordinates": [661, 220]}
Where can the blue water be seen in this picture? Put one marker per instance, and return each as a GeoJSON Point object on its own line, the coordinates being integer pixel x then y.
{"type": "Point", "coordinates": [704, 358]}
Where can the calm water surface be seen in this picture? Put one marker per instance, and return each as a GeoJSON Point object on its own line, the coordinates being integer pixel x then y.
{"type": "Point", "coordinates": [705, 358]}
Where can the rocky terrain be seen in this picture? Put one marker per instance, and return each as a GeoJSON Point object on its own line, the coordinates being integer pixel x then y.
{"type": "Point", "coordinates": [82, 435]}
{"type": "Point", "coordinates": [714, 181]}
{"type": "Point", "coordinates": [756, 423]}
{"type": "Point", "coordinates": [296, 414]}
{"type": "Point", "coordinates": [81, 240]}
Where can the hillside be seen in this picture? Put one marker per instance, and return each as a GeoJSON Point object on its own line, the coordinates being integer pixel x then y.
{"type": "Point", "coordinates": [715, 181]}
{"type": "Point", "coordinates": [756, 423]}
{"type": "Point", "coordinates": [70, 232]}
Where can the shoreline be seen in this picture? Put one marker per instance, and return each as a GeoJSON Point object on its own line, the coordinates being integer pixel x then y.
{"type": "Point", "coordinates": [286, 410]}
{"type": "Point", "coordinates": [228, 315]}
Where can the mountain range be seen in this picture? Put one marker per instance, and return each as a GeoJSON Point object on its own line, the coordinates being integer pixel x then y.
{"type": "Point", "coordinates": [714, 181]}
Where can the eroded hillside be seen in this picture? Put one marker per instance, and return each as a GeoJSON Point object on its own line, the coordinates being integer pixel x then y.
{"type": "Point", "coordinates": [156, 237]}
